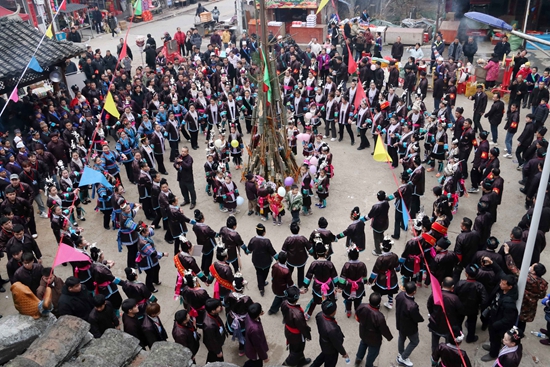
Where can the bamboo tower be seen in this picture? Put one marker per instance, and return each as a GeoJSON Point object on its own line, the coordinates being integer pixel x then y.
{"type": "Point", "coordinates": [269, 154]}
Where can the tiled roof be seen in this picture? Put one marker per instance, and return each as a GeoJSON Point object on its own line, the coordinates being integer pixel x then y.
{"type": "Point", "coordinates": [18, 40]}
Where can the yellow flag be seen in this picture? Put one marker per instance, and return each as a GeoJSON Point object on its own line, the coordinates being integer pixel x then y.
{"type": "Point", "coordinates": [321, 6]}
{"type": "Point", "coordinates": [49, 32]}
{"type": "Point", "coordinates": [110, 106]}
{"type": "Point", "coordinates": [380, 153]}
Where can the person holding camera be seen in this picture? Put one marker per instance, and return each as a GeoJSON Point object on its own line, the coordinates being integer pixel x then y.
{"type": "Point", "coordinates": [501, 314]}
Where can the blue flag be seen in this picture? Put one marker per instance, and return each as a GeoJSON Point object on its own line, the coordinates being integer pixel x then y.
{"type": "Point", "coordinates": [33, 64]}
{"type": "Point", "coordinates": [91, 177]}
{"type": "Point", "coordinates": [406, 217]}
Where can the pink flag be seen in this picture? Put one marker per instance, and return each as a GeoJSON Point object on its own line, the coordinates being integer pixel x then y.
{"type": "Point", "coordinates": [436, 291]}
{"type": "Point", "coordinates": [14, 96]}
{"type": "Point", "coordinates": [67, 253]}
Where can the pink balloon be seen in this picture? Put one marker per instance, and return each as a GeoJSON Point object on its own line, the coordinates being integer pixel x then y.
{"type": "Point", "coordinates": [313, 161]}
{"type": "Point", "coordinates": [302, 137]}
{"type": "Point", "coordinates": [312, 169]}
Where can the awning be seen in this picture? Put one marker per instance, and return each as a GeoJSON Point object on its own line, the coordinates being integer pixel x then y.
{"type": "Point", "coordinates": [4, 12]}
{"type": "Point", "coordinates": [287, 4]}
{"type": "Point", "coordinates": [73, 7]}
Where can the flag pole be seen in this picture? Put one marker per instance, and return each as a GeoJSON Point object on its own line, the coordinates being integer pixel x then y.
{"type": "Point", "coordinates": [533, 229]}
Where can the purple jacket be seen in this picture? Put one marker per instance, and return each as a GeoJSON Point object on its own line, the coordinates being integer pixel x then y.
{"type": "Point", "coordinates": [255, 346]}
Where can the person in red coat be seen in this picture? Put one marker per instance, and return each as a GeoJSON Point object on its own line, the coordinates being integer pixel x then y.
{"type": "Point", "coordinates": [180, 38]}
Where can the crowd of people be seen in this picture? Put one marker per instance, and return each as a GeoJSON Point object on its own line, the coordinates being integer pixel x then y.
{"type": "Point", "coordinates": [209, 98]}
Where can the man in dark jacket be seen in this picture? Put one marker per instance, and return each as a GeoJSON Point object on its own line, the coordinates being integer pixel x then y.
{"type": "Point", "coordinates": [473, 296]}
{"type": "Point", "coordinates": [109, 61]}
{"type": "Point", "coordinates": [102, 317]}
{"type": "Point", "coordinates": [397, 50]}
{"type": "Point", "coordinates": [502, 48]}
{"type": "Point", "coordinates": [331, 338]}
{"type": "Point", "coordinates": [119, 50]}
{"type": "Point", "coordinates": [184, 166]}
{"type": "Point", "coordinates": [438, 89]}
{"type": "Point", "coordinates": [495, 115]}
{"type": "Point", "coordinates": [372, 327]}
{"type": "Point", "coordinates": [467, 244]}
{"type": "Point", "coordinates": [97, 20]}
{"type": "Point", "coordinates": [453, 311]}
{"type": "Point", "coordinates": [407, 318]}
{"type": "Point", "coordinates": [75, 299]}
{"type": "Point", "coordinates": [525, 139]}
{"type": "Point", "coordinates": [378, 215]}
{"type": "Point", "coordinates": [30, 273]}
{"type": "Point", "coordinates": [213, 331]}
{"type": "Point", "coordinates": [480, 104]}
{"type": "Point", "coordinates": [470, 49]}
{"type": "Point", "coordinates": [297, 330]}
{"type": "Point", "coordinates": [255, 346]}
{"type": "Point", "coordinates": [502, 314]}
{"type": "Point", "coordinates": [74, 36]}
{"type": "Point", "coordinates": [481, 156]}
{"type": "Point", "coordinates": [541, 112]}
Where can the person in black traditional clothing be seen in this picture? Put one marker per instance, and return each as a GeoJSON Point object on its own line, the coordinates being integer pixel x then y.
{"type": "Point", "coordinates": [185, 332]}
{"type": "Point", "coordinates": [104, 281]}
{"type": "Point", "coordinates": [352, 280]}
{"type": "Point", "coordinates": [262, 254]}
{"type": "Point", "coordinates": [233, 242]}
{"type": "Point", "coordinates": [132, 320]}
{"type": "Point", "coordinates": [384, 273]}
{"type": "Point", "coordinates": [297, 248]}
{"type": "Point", "coordinates": [152, 327]}
{"type": "Point", "coordinates": [237, 304]}
{"type": "Point", "coordinates": [512, 351]}
{"type": "Point", "coordinates": [214, 333]}
{"type": "Point", "coordinates": [323, 273]}
{"type": "Point", "coordinates": [297, 330]}
{"type": "Point", "coordinates": [137, 291]}
{"type": "Point", "coordinates": [449, 354]}
{"type": "Point", "coordinates": [221, 272]}
{"type": "Point", "coordinates": [176, 221]}
{"type": "Point", "coordinates": [194, 298]}
{"type": "Point", "coordinates": [355, 232]}
{"type": "Point", "coordinates": [331, 338]}
{"type": "Point", "coordinates": [206, 238]}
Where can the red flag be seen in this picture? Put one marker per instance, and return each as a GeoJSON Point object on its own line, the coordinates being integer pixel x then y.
{"type": "Point", "coordinates": [359, 95]}
{"type": "Point", "coordinates": [67, 253]}
{"type": "Point", "coordinates": [352, 67]}
{"type": "Point", "coordinates": [122, 52]}
{"type": "Point", "coordinates": [63, 5]}
{"type": "Point", "coordinates": [436, 292]}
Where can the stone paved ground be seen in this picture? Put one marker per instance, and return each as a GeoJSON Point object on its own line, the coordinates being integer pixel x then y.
{"type": "Point", "coordinates": [356, 182]}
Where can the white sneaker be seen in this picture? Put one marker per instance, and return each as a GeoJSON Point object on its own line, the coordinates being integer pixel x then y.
{"type": "Point", "coordinates": [506, 155]}
{"type": "Point", "coordinates": [388, 305]}
{"type": "Point", "coordinates": [324, 136]}
{"type": "Point", "coordinates": [509, 156]}
{"type": "Point", "coordinates": [333, 139]}
{"type": "Point", "coordinates": [43, 215]}
{"type": "Point", "coordinates": [34, 236]}
{"type": "Point", "coordinates": [407, 362]}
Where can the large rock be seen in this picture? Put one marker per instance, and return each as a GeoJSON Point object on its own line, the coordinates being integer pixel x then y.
{"type": "Point", "coordinates": [168, 354]}
{"type": "Point", "coordinates": [17, 332]}
{"type": "Point", "coordinates": [56, 345]}
{"type": "Point", "coordinates": [115, 348]}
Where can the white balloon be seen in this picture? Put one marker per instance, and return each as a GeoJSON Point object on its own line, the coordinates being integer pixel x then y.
{"type": "Point", "coordinates": [309, 115]}
{"type": "Point", "coordinates": [372, 67]}
{"type": "Point", "coordinates": [218, 143]}
{"type": "Point", "coordinates": [281, 191]}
